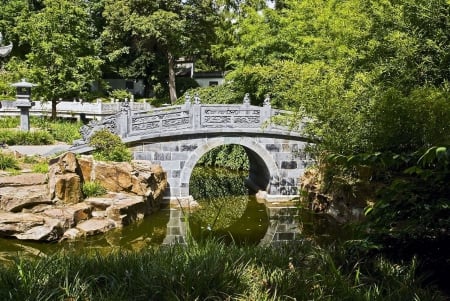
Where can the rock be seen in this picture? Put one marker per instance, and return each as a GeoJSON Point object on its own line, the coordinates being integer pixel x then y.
{"type": "Point", "coordinates": [100, 203]}
{"type": "Point", "coordinates": [68, 163]}
{"type": "Point", "coordinates": [71, 215]}
{"type": "Point", "coordinates": [29, 226]}
{"type": "Point", "coordinates": [14, 223]}
{"type": "Point", "coordinates": [86, 164]}
{"type": "Point", "coordinates": [126, 209]}
{"type": "Point", "coordinates": [14, 199]}
{"type": "Point", "coordinates": [23, 180]}
{"type": "Point", "coordinates": [56, 211]}
{"type": "Point", "coordinates": [67, 189]}
{"type": "Point", "coordinates": [95, 226]}
{"type": "Point", "coordinates": [71, 234]}
{"type": "Point", "coordinates": [114, 177]}
{"type": "Point", "coordinates": [51, 230]}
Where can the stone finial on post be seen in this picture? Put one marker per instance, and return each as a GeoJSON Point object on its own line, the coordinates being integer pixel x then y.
{"type": "Point", "coordinates": [267, 101]}
{"type": "Point", "coordinates": [23, 102]}
{"type": "Point", "coordinates": [247, 99]}
{"type": "Point", "coordinates": [187, 99]}
{"type": "Point", "coordinates": [196, 99]}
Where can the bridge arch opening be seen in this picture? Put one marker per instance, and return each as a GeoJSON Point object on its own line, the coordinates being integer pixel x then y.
{"type": "Point", "coordinates": [262, 167]}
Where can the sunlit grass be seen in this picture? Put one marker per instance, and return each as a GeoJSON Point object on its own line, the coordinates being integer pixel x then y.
{"type": "Point", "coordinates": [211, 271]}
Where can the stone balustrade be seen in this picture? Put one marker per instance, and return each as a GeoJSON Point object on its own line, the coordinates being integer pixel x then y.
{"type": "Point", "coordinates": [75, 109]}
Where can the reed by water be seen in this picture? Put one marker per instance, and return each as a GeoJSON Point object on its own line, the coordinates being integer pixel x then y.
{"type": "Point", "coordinates": [211, 270]}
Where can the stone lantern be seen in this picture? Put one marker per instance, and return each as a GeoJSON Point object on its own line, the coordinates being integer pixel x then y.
{"type": "Point", "coordinates": [23, 102]}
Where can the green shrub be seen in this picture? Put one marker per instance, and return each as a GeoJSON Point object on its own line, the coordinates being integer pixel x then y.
{"type": "Point", "coordinates": [120, 94]}
{"type": "Point", "coordinates": [91, 189]}
{"type": "Point", "coordinates": [8, 162]}
{"type": "Point", "coordinates": [13, 137]}
{"type": "Point", "coordinates": [109, 147]}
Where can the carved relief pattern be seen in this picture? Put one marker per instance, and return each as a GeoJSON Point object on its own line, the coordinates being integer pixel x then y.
{"type": "Point", "coordinates": [220, 117]}
{"type": "Point", "coordinates": [161, 121]}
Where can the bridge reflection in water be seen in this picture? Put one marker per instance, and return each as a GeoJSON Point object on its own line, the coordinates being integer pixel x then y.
{"type": "Point", "coordinates": [273, 225]}
{"type": "Point", "coordinates": [227, 213]}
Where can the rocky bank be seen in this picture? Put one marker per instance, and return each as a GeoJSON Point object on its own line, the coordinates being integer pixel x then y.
{"type": "Point", "coordinates": [52, 207]}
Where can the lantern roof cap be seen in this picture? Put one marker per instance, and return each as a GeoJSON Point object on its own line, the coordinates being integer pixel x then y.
{"type": "Point", "coordinates": [23, 84]}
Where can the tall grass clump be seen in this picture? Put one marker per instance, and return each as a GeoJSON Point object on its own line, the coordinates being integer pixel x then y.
{"type": "Point", "coordinates": [8, 162]}
{"type": "Point", "coordinates": [14, 137]}
{"type": "Point", "coordinates": [91, 189]}
{"type": "Point", "coordinates": [9, 122]}
{"type": "Point", "coordinates": [65, 131]}
{"type": "Point", "coordinates": [212, 271]}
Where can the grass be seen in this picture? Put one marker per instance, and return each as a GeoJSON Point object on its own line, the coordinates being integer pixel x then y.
{"type": "Point", "coordinates": [212, 271]}
{"type": "Point", "coordinates": [46, 131]}
{"type": "Point", "coordinates": [91, 189]}
{"type": "Point", "coordinates": [8, 162]}
{"type": "Point", "coordinates": [15, 137]}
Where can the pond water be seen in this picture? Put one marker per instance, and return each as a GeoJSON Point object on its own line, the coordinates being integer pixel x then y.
{"type": "Point", "coordinates": [227, 213]}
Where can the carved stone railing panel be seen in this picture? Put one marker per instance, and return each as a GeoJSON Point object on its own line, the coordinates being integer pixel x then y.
{"type": "Point", "coordinates": [160, 120]}
{"type": "Point", "coordinates": [230, 116]}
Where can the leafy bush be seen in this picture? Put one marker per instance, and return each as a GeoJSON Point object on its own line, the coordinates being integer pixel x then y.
{"type": "Point", "coordinates": [109, 147]}
{"type": "Point", "coordinates": [120, 94]}
{"type": "Point", "coordinates": [215, 94]}
{"type": "Point", "coordinates": [13, 137]}
{"type": "Point", "coordinates": [8, 162]}
{"type": "Point", "coordinates": [91, 189]}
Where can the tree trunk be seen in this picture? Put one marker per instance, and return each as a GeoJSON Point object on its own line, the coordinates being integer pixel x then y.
{"type": "Point", "coordinates": [54, 103]}
{"type": "Point", "coordinates": [172, 85]}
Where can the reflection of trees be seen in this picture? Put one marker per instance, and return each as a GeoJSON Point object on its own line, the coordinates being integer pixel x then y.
{"type": "Point", "coordinates": [221, 194]}
{"type": "Point", "coordinates": [208, 183]}
{"type": "Point", "coordinates": [220, 213]}
{"type": "Point", "coordinates": [226, 210]}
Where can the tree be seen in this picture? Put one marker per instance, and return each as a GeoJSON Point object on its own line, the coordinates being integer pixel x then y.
{"type": "Point", "coordinates": [152, 28]}
{"type": "Point", "coordinates": [63, 52]}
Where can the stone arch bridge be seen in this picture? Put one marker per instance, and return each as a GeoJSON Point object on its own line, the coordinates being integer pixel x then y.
{"type": "Point", "coordinates": [178, 136]}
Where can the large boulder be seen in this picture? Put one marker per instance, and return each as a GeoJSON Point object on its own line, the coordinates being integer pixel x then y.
{"type": "Point", "coordinates": [114, 177]}
{"type": "Point", "coordinates": [16, 198]}
{"type": "Point", "coordinates": [65, 179]}
{"type": "Point", "coordinates": [70, 216]}
{"type": "Point", "coordinates": [27, 179]}
{"type": "Point", "coordinates": [67, 189]}
{"type": "Point", "coordinates": [126, 209]}
{"type": "Point", "coordinates": [28, 226]}
{"type": "Point", "coordinates": [95, 226]}
{"type": "Point", "coordinates": [86, 164]}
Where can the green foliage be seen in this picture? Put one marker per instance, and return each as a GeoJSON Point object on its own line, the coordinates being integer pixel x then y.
{"type": "Point", "coordinates": [109, 147]}
{"type": "Point", "coordinates": [62, 56]}
{"type": "Point", "coordinates": [92, 189]}
{"type": "Point", "coordinates": [215, 94]}
{"type": "Point", "coordinates": [406, 123]}
{"type": "Point", "coordinates": [13, 137]}
{"type": "Point", "coordinates": [411, 214]}
{"type": "Point", "coordinates": [8, 162]}
{"type": "Point", "coordinates": [120, 94]}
